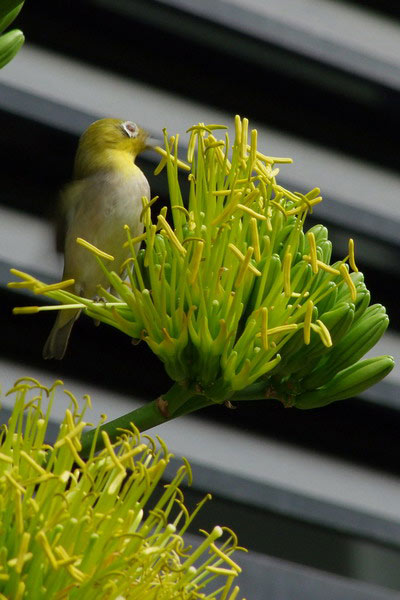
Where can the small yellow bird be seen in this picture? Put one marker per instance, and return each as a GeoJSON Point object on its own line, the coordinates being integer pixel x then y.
{"type": "Point", "coordinates": [105, 194]}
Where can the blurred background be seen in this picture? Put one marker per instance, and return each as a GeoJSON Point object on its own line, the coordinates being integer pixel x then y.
{"type": "Point", "coordinates": [314, 495]}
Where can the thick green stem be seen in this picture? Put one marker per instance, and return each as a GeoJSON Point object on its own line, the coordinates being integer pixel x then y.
{"type": "Point", "coordinates": [166, 407]}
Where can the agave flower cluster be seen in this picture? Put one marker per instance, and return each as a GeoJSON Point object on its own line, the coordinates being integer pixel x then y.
{"type": "Point", "coordinates": [231, 293]}
{"type": "Point", "coordinates": [74, 529]}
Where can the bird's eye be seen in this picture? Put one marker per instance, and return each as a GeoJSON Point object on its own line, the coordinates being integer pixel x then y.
{"type": "Point", "coordinates": [131, 129]}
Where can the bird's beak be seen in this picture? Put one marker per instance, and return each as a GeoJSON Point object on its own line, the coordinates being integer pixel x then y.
{"type": "Point", "coordinates": [151, 143]}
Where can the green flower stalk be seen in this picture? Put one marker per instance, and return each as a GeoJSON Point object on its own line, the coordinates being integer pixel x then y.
{"type": "Point", "coordinates": [230, 292]}
{"type": "Point", "coordinates": [73, 529]}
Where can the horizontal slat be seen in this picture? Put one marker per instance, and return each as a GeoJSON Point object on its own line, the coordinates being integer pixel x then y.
{"type": "Point", "coordinates": [360, 42]}
{"type": "Point", "coordinates": [38, 85]}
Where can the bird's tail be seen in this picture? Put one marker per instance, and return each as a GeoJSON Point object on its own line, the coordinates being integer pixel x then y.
{"type": "Point", "coordinates": [57, 341]}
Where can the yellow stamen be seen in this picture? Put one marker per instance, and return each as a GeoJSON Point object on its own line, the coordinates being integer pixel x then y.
{"type": "Point", "coordinates": [221, 192]}
{"type": "Point", "coordinates": [298, 209]}
{"type": "Point", "coordinates": [111, 452]}
{"type": "Point", "coordinates": [20, 591]}
{"type": "Point", "coordinates": [171, 234]}
{"type": "Point", "coordinates": [93, 249]}
{"type": "Point", "coordinates": [244, 266]}
{"type": "Point", "coordinates": [279, 207]}
{"type": "Point", "coordinates": [241, 257]}
{"type": "Point", "coordinates": [201, 127]}
{"type": "Point", "coordinates": [198, 252]}
{"type": "Point", "coordinates": [228, 210]}
{"type": "Point", "coordinates": [238, 130]}
{"type": "Point", "coordinates": [192, 238]}
{"type": "Point", "coordinates": [33, 463]}
{"type": "Point", "coordinates": [307, 321]}
{"type": "Point", "coordinates": [23, 555]}
{"type": "Point", "coordinates": [221, 571]}
{"type": "Point", "coordinates": [352, 261]}
{"type": "Point", "coordinates": [226, 558]}
{"type": "Point", "coordinates": [349, 282]}
{"type": "Point", "coordinates": [215, 144]}
{"type": "Point", "coordinates": [287, 264]}
{"type": "Point", "coordinates": [181, 208]}
{"type": "Point", "coordinates": [327, 268]}
{"type": "Point", "coordinates": [178, 162]}
{"type": "Point", "coordinates": [245, 129]}
{"type": "Point", "coordinates": [43, 541]}
{"type": "Point", "coordinates": [147, 205]}
{"type": "Point", "coordinates": [322, 265]}
{"type": "Point", "coordinates": [160, 166]}
{"type": "Point", "coordinates": [43, 289]}
{"type": "Point", "coordinates": [234, 593]}
{"type": "Point", "coordinates": [6, 458]}
{"type": "Point", "coordinates": [255, 240]}
{"type": "Point", "coordinates": [18, 488]}
{"type": "Point", "coordinates": [251, 212]}
{"type": "Point", "coordinates": [273, 159]}
{"type": "Point", "coordinates": [313, 251]}
{"type": "Point", "coordinates": [136, 240]}
{"type": "Point", "coordinates": [325, 334]}
{"type": "Point", "coordinates": [280, 329]}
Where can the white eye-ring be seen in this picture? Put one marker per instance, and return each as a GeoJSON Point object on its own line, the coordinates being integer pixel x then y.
{"type": "Point", "coordinates": [130, 128]}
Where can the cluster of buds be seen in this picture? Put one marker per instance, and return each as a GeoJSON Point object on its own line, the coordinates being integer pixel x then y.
{"type": "Point", "coordinates": [230, 292]}
{"type": "Point", "coordinates": [74, 529]}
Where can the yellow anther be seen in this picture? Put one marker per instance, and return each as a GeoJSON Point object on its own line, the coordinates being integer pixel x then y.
{"type": "Point", "coordinates": [225, 557]}
{"type": "Point", "coordinates": [273, 159]}
{"type": "Point", "coordinates": [313, 251]}
{"type": "Point", "coordinates": [241, 257]}
{"type": "Point", "coordinates": [18, 488]}
{"type": "Point", "coordinates": [111, 452]}
{"type": "Point", "coordinates": [6, 458]}
{"type": "Point", "coordinates": [171, 157]}
{"type": "Point", "coordinates": [221, 571]}
{"type": "Point", "coordinates": [196, 260]}
{"type": "Point", "coordinates": [279, 207]}
{"type": "Point", "coordinates": [228, 210]}
{"type": "Point", "coordinates": [33, 463]}
{"type": "Point", "coordinates": [244, 266]}
{"type": "Point", "coordinates": [147, 205]}
{"type": "Point", "coordinates": [251, 212]}
{"type": "Point", "coordinates": [171, 234]}
{"type": "Point", "coordinates": [43, 541]}
{"type": "Point", "coordinates": [307, 321]}
{"type": "Point", "coordinates": [327, 268]}
{"type": "Point", "coordinates": [309, 204]}
{"type": "Point", "coordinates": [200, 127]}
{"type": "Point", "coordinates": [255, 240]}
{"type": "Point", "coordinates": [287, 265]}
{"type": "Point", "coordinates": [352, 261]}
{"type": "Point", "coordinates": [43, 289]}
{"type": "Point", "coordinates": [349, 282]}
{"type": "Point", "coordinates": [93, 249]}
{"type": "Point", "coordinates": [280, 329]}
{"type": "Point", "coordinates": [325, 334]}
{"type": "Point", "coordinates": [238, 130]}
{"type": "Point", "coordinates": [23, 555]}
{"type": "Point", "coordinates": [221, 192]}
{"type": "Point", "coordinates": [243, 145]}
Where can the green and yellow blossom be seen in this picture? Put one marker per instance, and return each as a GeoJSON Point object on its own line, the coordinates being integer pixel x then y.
{"type": "Point", "coordinates": [98, 529]}
{"type": "Point", "coordinates": [231, 292]}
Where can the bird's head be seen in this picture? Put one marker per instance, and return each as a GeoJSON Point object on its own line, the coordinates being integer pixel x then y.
{"type": "Point", "coordinates": [98, 143]}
